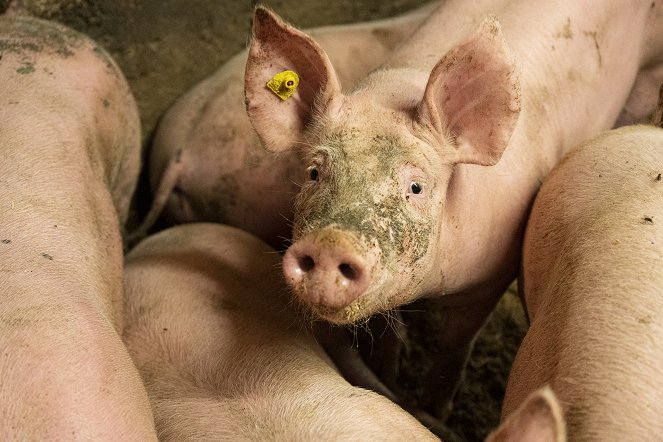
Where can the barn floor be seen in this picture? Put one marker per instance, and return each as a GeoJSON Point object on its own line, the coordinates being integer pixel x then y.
{"type": "Point", "coordinates": [166, 46]}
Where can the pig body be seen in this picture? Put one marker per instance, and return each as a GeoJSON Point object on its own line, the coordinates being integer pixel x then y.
{"type": "Point", "coordinates": [421, 178]}
{"type": "Point", "coordinates": [224, 355]}
{"type": "Point", "coordinates": [206, 162]}
{"type": "Point", "coordinates": [592, 282]}
{"type": "Point", "coordinates": [70, 145]}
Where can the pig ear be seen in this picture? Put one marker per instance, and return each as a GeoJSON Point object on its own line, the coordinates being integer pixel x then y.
{"type": "Point", "coordinates": [539, 418]}
{"type": "Point", "coordinates": [472, 99]}
{"type": "Point", "coordinates": [277, 47]}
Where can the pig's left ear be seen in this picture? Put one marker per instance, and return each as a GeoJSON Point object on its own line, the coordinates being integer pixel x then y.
{"type": "Point", "coordinates": [472, 99]}
{"type": "Point", "coordinates": [281, 121]}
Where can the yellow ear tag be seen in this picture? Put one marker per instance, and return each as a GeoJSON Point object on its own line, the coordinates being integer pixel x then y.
{"type": "Point", "coordinates": [284, 84]}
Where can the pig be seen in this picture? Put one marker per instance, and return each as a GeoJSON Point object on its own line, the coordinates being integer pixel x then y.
{"type": "Point", "coordinates": [207, 164]}
{"type": "Point", "coordinates": [420, 179]}
{"type": "Point", "coordinates": [70, 146]}
{"type": "Point", "coordinates": [592, 278]}
{"type": "Point", "coordinates": [224, 354]}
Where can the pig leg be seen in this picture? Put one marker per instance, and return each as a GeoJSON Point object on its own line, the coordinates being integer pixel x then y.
{"type": "Point", "coordinates": [363, 370]}
{"type": "Point", "coordinates": [450, 349]}
{"type": "Point", "coordinates": [382, 342]}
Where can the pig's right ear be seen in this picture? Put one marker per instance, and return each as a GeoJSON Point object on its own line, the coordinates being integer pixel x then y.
{"type": "Point", "coordinates": [277, 47]}
{"type": "Point", "coordinates": [539, 418]}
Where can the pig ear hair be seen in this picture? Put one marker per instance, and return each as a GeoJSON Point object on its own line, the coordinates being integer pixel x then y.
{"type": "Point", "coordinates": [538, 418]}
{"type": "Point", "coordinates": [472, 99]}
{"type": "Point", "coordinates": [276, 47]}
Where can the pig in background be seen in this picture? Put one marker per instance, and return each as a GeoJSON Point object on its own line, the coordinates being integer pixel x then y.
{"type": "Point", "coordinates": [223, 354]}
{"type": "Point", "coordinates": [593, 288]}
{"type": "Point", "coordinates": [70, 148]}
{"type": "Point", "coordinates": [421, 178]}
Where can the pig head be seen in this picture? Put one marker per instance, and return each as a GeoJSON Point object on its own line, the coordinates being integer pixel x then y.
{"type": "Point", "coordinates": [207, 164]}
{"type": "Point", "coordinates": [368, 222]}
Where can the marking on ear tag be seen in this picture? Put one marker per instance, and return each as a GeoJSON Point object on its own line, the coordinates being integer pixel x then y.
{"type": "Point", "coordinates": [284, 84]}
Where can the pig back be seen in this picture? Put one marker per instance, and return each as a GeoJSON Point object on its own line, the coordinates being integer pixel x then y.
{"type": "Point", "coordinates": [69, 149]}
{"type": "Point", "coordinates": [592, 278]}
{"type": "Point", "coordinates": [67, 99]}
{"type": "Point", "coordinates": [600, 196]}
{"type": "Point", "coordinates": [219, 346]}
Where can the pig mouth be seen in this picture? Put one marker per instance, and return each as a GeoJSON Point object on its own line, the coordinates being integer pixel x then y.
{"type": "Point", "coordinates": [350, 314]}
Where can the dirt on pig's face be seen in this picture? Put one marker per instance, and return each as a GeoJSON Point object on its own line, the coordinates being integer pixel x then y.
{"type": "Point", "coordinates": [383, 190]}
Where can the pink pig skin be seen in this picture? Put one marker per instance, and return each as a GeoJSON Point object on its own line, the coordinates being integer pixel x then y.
{"type": "Point", "coordinates": [538, 419]}
{"type": "Point", "coordinates": [206, 162]}
{"type": "Point", "coordinates": [422, 176]}
{"type": "Point", "coordinates": [224, 354]}
{"type": "Point", "coordinates": [70, 144]}
{"type": "Point", "coordinates": [593, 286]}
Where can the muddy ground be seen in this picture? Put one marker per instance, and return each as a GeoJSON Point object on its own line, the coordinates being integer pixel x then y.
{"type": "Point", "coordinates": [166, 46]}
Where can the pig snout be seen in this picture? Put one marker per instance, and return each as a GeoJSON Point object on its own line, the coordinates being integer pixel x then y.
{"type": "Point", "coordinates": [326, 271]}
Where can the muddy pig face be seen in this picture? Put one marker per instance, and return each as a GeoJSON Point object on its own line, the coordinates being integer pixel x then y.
{"type": "Point", "coordinates": [364, 221]}
{"type": "Point", "coordinates": [367, 222]}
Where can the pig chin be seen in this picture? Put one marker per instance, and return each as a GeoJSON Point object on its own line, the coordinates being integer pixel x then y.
{"type": "Point", "coordinates": [352, 313]}
{"type": "Point", "coordinates": [368, 304]}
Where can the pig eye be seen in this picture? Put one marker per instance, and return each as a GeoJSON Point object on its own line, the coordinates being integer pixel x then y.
{"type": "Point", "coordinates": [313, 173]}
{"type": "Point", "coordinates": [416, 188]}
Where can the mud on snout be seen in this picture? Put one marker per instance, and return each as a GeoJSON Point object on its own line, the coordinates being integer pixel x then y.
{"type": "Point", "coordinates": [330, 270]}
{"type": "Point", "coordinates": [344, 276]}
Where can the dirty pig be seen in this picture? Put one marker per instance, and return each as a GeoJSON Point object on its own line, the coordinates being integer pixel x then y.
{"type": "Point", "coordinates": [206, 162]}
{"type": "Point", "coordinates": [224, 354]}
{"type": "Point", "coordinates": [592, 283]}
{"type": "Point", "coordinates": [421, 177]}
{"type": "Point", "coordinates": [70, 151]}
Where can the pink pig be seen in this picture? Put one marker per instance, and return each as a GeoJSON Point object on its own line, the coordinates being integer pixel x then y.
{"type": "Point", "coordinates": [224, 354]}
{"type": "Point", "coordinates": [206, 162]}
{"type": "Point", "coordinates": [593, 286]}
{"type": "Point", "coordinates": [421, 177]}
{"type": "Point", "coordinates": [70, 143]}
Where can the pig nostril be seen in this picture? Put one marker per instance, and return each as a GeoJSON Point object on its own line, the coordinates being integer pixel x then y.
{"type": "Point", "coordinates": [348, 271]}
{"type": "Point", "coordinates": [306, 263]}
